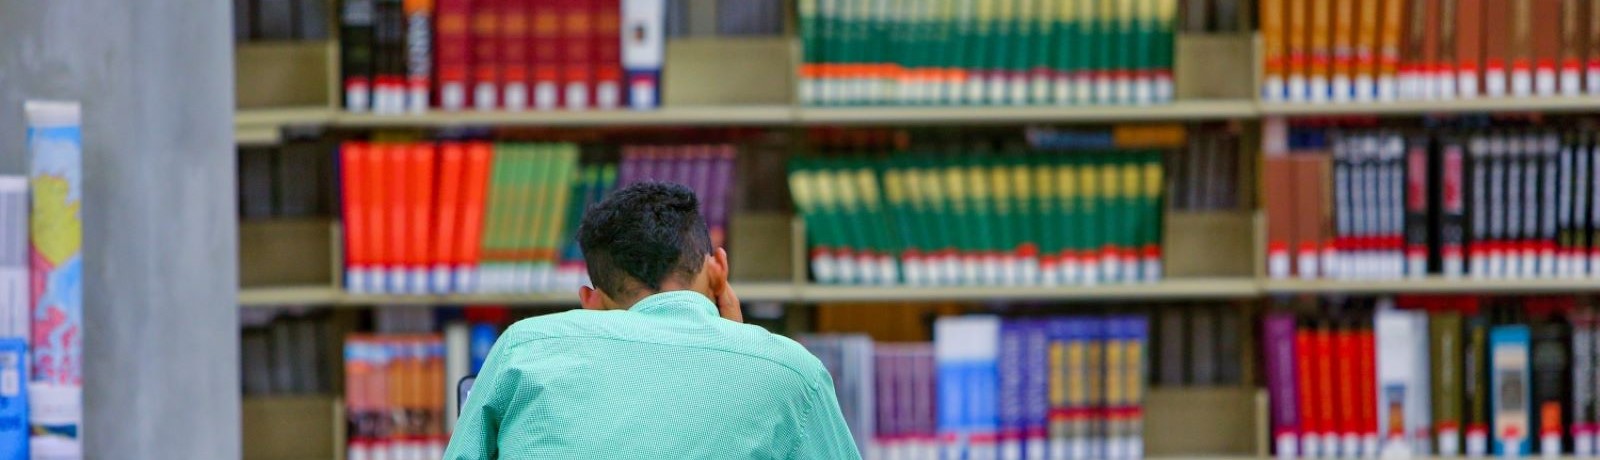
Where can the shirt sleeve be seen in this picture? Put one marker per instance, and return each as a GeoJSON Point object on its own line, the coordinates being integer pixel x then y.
{"type": "Point", "coordinates": [477, 432]}
{"type": "Point", "coordinates": [823, 432]}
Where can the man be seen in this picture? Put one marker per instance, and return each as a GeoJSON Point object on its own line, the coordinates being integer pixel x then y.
{"type": "Point", "coordinates": [657, 364]}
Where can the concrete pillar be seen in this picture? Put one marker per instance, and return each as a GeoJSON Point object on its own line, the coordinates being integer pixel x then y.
{"type": "Point", "coordinates": [161, 366]}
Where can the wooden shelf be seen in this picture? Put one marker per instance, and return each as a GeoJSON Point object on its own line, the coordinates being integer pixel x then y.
{"type": "Point", "coordinates": [1512, 104]}
{"type": "Point", "coordinates": [1167, 289]}
{"type": "Point", "coordinates": [1177, 111]}
{"type": "Point", "coordinates": [676, 116]}
{"type": "Point", "coordinates": [331, 296]}
{"type": "Point", "coordinates": [279, 296]}
{"type": "Point", "coordinates": [265, 126]}
{"type": "Point", "coordinates": [1433, 285]}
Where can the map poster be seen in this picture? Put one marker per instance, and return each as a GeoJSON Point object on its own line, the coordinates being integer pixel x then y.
{"type": "Point", "coordinates": [55, 279]}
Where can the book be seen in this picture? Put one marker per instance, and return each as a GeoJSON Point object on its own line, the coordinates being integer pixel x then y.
{"type": "Point", "coordinates": [965, 349]}
{"type": "Point", "coordinates": [1512, 414]}
{"type": "Point", "coordinates": [1469, 47]}
{"type": "Point", "coordinates": [1445, 356]}
{"type": "Point", "coordinates": [420, 51]}
{"type": "Point", "coordinates": [1403, 398]}
{"type": "Point", "coordinates": [1280, 354]}
{"type": "Point", "coordinates": [1550, 358]}
{"type": "Point", "coordinates": [389, 57]}
{"type": "Point", "coordinates": [356, 44]}
{"type": "Point", "coordinates": [1476, 385]}
{"type": "Point", "coordinates": [643, 52]}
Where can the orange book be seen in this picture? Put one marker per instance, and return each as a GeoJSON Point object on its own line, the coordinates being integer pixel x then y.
{"type": "Point", "coordinates": [1393, 18]}
{"type": "Point", "coordinates": [374, 199]}
{"type": "Point", "coordinates": [434, 378]}
{"type": "Point", "coordinates": [420, 167]}
{"type": "Point", "coordinates": [1574, 43]}
{"type": "Point", "coordinates": [1321, 43]}
{"type": "Point", "coordinates": [352, 158]}
{"type": "Point", "coordinates": [1366, 51]}
{"type": "Point", "coordinates": [1469, 47]}
{"type": "Point", "coordinates": [447, 212]}
{"type": "Point", "coordinates": [480, 156]}
{"type": "Point", "coordinates": [1299, 49]}
{"type": "Point", "coordinates": [1496, 47]}
{"type": "Point", "coordinates": [1278, 179]}
{"type": "Point", "coordinates": [398, 396]}
{"type": "Point", "coordinates": [1522, 47]}
{"type": "Point", "coordinates": [1420, 29]}
{"type": "Point", "coordinates": [1442, 69]}
{"type": "Point", "coordinates": [1272, 49]}
{"type": "Point", "coordinates": [1344, 44]}
{"type": "Point", "coordinates": [1546, 25]}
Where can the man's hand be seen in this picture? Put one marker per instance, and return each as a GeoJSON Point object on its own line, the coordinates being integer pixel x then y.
{"type": "Point", "coordinates": [727, 302]}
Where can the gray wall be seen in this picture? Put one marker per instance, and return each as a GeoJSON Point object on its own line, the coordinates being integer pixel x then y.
{"type": "Point", "coordinates": [160, 340]}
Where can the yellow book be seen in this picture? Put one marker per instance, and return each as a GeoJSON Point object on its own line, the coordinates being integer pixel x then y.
{"type": "Point", "coordinates": [1154, 180]}
{"type": "Point", "coordinates": [1273, 49]}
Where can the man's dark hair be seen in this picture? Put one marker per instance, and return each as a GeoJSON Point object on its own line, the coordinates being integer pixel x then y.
{"type": "Point", "coordinates": [649, 232]}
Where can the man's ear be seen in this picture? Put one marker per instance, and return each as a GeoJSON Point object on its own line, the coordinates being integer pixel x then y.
{"type": "Point", "coordinates": [717, 268]}
{"type": "Point", "coordinates": [591, 298]}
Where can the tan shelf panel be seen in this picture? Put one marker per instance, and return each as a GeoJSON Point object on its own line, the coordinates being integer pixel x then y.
{"type": "Point", "coordinates": [278, 296]}
{"type": "Point", "coordinates": [1433, 285]}
{"type": "Point", "coordinates": [1514, 104]}
{"type": "Point", "coordinates": [1177, 111]}
{"type": "Point", "coordinates": [264, 126]}
{"type": "Point", "coordinates": [678, 116]}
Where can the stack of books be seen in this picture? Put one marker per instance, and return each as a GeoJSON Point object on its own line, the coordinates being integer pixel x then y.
{"type": "Point", "coordinates": [394, 396]}
{"type": "Point", "coordinates": [1444, 376]}
{"type": "Point", "coordinates": [285, 354]}
{"type": "Point", "coordinates": [1492, 203]}
{"type": "Point", "coordinates": [291, 180]}
{"type": "Point", "coordinates": [1014, 219]}
{"type": "Point", "coordinates": [477, 217]}
{"type": "Point", "coordinates": [986, 52]}
{"type": "Point", "coordinates": [987, 387]}
{"type": "Point", "coordinates": [1384, 50]}
{"type": "Point", "coordinates": [403, 56]}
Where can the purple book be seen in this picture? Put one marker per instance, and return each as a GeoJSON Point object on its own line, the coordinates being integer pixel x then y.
{"type": "Point", "coordinates": [1012, 380]}
{"type": "Point", "coordinates": [628, 170]}
{"type": "Point", "coordinates": [1278, 333]}
{"type": "Point", "coordinates": [1036, 390]}
{"type": "Point", "coordinates": [720, 200]}
{"type": "Point", "coordinates": [886, 370]}
{"type": "Point", "coordinates": [700, 177]}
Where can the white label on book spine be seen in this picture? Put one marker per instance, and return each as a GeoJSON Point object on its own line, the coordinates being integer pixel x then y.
{"type": "Point", "coordinates": [1319, 89]}
{"type": "Point", "coordinates": [1550, 445]}
{"type": "Point", "coordinates": [1477, 444]}
{"type": "Point", "coordinates": [1297, 89]}
{"type": "Point", "coordinates": [516, 96]}
{"type": "Point", "coordinates": [1341, 89]}
{"type": "Point", "coordinates": [1445, 85]}
{"type": "Point", "coordinates": [1287, 446]}
{"type": "Point", "coordinates": [1494, 83]}
{"type": "Point", "coordinates": [1272, 89]}
{"type": "Point", "coordinates": [1350, 446]}
{"type": "Point", "coordinates": [1467, 85]}
{"type": "Point", "coordinates": [483, 96]}
{"type": "Point", "coordinates": [1570, 83]}
{"type": "Point", "coordinates": [1449, 443]}
{"type": "Point", "coordinates": [822, 266]}
{"type": "Point", "coordinates": [1144, 90]}
{"type": "Point", "coordinates": [1386, 89]}
{"type": "Point", "coordinates": [1582, 445]}
{"type": "Point", "coordinates": [1522, 83]}
{"type": "Point", "coordinates": [1311, 446]}
{"type": "Point", "coordinates": [1365, 89]}
{"type": "Point", "coordinates": [1545, 82]}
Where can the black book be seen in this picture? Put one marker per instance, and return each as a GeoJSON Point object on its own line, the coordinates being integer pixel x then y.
{"type": "Point", "coordinates": [356, 53]}
{"type": "Point", "coordinates": [1418, 195]}
{"type": "Point", "coordinates": [1549, 204]}
{"type": "Point", "coordinates": [1451, 212]}
{"type": "Point", "coordinates": [1551, 357]}
{"type": "Point", "coordinates": [1478, 208]}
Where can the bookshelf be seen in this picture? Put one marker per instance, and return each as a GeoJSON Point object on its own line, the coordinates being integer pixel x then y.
{"type": "Point", "coordinates": [1433, 285]}
{"type": "Point", "coordinates": [264, 126]}
{"type": "Point", "coordinates": [1480, 105]}
{"type": "Point", "coordinates": [1182, 110]}
{"type": "Point", "coordinates": [672, 116]}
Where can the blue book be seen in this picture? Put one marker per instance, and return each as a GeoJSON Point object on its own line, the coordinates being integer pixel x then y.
{"type": "Point", "coordinates": [13, 399]}
{"type": "Point", "coordinates": [1012, 375]}
{"type": "Point", "coordinates": [966, 351]}
{"type": "Point", "coordinates": [1509, 382]}
{"type": "Point", "coordinates": [1036, 390]}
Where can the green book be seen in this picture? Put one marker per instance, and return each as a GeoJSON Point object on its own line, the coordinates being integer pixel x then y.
{"type": "Point", "coordinates": [1164, 40]}
{"type": "Point", "coordinates": [1002, 193]}
{"type": "Point", "coordinates": [1025, 241]}
{"type": "Point", "coordinates": [1092, 213]}
{"type": "Point", "coordinates": [810, 50]}
{"type": "Point", "coordinates": [897, 199]}
{"type": "Point", "coordinates": [831, 53]}
{"type": "Point", "coordinates": [1070, 218]}
{"type": "Point", "coordinates": [1109, 47]}
{"type": "Point", "coordinates": [1131, 230]}
{"type": "Point", "coordinates": [557, 183]}
{"type": "Point", "coordinates": [1142, 58]}
{"type": "Point", "coordinates": [981, 195]}
{"type": "Point", "coordinates": [530, 213]}
{"type": "Point", "coordinates": [1005, 40]}
{"type": "Point", "coordinates": [945, 53]}
{"type": "Point", "coordinates": [1045, 207]}
{"type": "Point", "coordinates": [1044, 15]}
{"type": "Point", "coordinates": [1445, 357]}
{"type": "Point", "coordinates": [1024, 18]}
{"type": "Point", "coordinates": [982, 44]}
{"type": "Point", "coordinates": [804, 188]}
{"type": "Point", "coordinates": [1127, 42]}
{"type": "Point", "coordinates": [495, 235]}
{"type": "Point", "coordinates": [1154, 212]}
{"type": "Point", "coordinates": [936, 214]}
{"type": "Point", "coordinates": [1090, 48]}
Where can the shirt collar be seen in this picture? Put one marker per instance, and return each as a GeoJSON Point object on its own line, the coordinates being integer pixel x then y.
{"type": "Point", "coordinates": [675, 302]}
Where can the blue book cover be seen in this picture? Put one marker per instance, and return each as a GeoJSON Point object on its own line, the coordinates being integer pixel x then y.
{"type": "Point", "coordinates": [1509, 382]}
{"type": "Point", "coordinates": [13, 399]}
{"type": "Point", "coordinates": [966, 350]}
{"type": "Point", "coordinates": [1012, 375]}
{"type": "Point", "coordinates": [1036, 390]}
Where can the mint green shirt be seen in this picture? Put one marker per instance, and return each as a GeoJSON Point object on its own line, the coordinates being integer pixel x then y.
{"type": "Point", "coordinates": [667, 379]}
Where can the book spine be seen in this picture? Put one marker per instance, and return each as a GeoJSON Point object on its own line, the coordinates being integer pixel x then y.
{"type": "Point", "coordinates": [421, 165]}
{"type": "Point", "coordinates": [356, 51]}
{"type": "Point", "coordinates": [1417, 206]}
{"type": "Point", "coordinates": [1549, 185]}
{"type": "Point", "coordinates": [352, 159]}
{"type": "Point", "coordinates": [1444, 340]}
{"type": "Point", "coordinates": [486, 60]}
{"type": "Point", "coordinates": [577, 67]}
{"type": "Point", "coordinates": [378, 220]}
{"type": "Point", "coordinates": [1441, 70]}
{"type": "Point", "coordinates": [419, 54]}
{"type": "Point", "coordinates": [1453, 211]}
{"type": "Point", "coordinates": [1510, 382]}
{"type": "Point", "coordinates": [1281, 360]}
{"type": "Point", "coordinates": [1582, 410]}
{"type": "Point", "coordinates": [1036, 393]}
{"type": "Point", "coordinates": [1389, 53]}
{"type": "Point", "coordinates": [453, 50]}
{"type": "Point", "coordinates": [1549, 355]}
{"type": "Point", "coordinates": [643, 51]}
{"type": "Point", "coordinates": [1591, 73]}
{"type": "Point", "coordinates": [608, 54]}
{"type": "Point", "coordinates": [1273, 48]}
{"type": "Point", "coordinates": [448, 213]}
{"type": "Point", "coordinates": [1011, 383]}
{"type": "Point", "coordinates": [480, 159]}
{"type": "Point", "coordinates": [1582, 217]}
{"type": "Point", "coordinates": [1475, 386]}
{"type": "Point", "coordinates": [1574, 44]}
{"type": "Point", "coordinates": [1547, 38]}
{"type": "Point", "coordinates": [513, 36]}
{"type": "Point", "coordinates": [1469, 47]}
{"type": "Point", "coordinates": [1497, 47]}
{"type": "Point", "coordinates": [1523, 48]}
{"type": "Point", "coordinates": [1305, 346]}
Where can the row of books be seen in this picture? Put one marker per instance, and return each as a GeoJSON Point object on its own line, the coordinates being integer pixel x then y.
{"type": "Point", "coordinates": [987, 387]}
{"type": "Point", "coordinates": [496, 218]}
{"type": "Point", "coordinates": [410, 56]}
{"type": "Point", "coordinates": [267, 20]}
{"type": "Point", "coordinates": [1213, 16]}
{"type": "Point", "coordinates": [1511, 203]}
{"type": "Point", "coordinates": [1015, 219]}
{"type": "Point", "coordinates": [1206, 174]}
{"type": "Point", "coordinates": [987, 52]}
{"type": "Point", "coordinates": [285, 354]}
{"type": "Point", "coordinates": [1381, 50]}
{"type": "Point", "coordinates": [1197, 345]}
{"type": "Point", "coordinates": [395, 393]}
{"type": "Point", "coordinates": [287, 181]}
{"type": "Point", "coordinates": [1441, 376]}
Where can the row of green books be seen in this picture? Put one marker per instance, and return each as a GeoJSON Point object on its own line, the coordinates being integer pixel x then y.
{"type": "Point", "coordinates": [986, 52]}
{"type": "Point", "coordinates": [960, 219]}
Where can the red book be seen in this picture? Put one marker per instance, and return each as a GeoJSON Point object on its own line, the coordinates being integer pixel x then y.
{"type": "Point", "coordinates": [1327, 390]}
{"type": "Point", "coordinates": [1367, 378]}
{"type": "Point", "coordinates": [514, 43]}
{"type": "Point", "coordinates": [420, 167]}
{"type": "Point", "coordinates": [485, 54]}
{"type": "Point", "coordinates": [480, 156]}
{"type": "Point", "coordinates": [396, 171]}
{"type": "Point", "coordinates": [453, 50]}
{"type": "Point", "coordinates": [577, 65]}
{"type": "Point", "coordinates": [1347, 390]}
{"type": "Point", "coordinates": [1310, 408]}
{"type": "Point", "coordinates": [447, 211]}
{"type": "Point", "coordinates": [546, 55]}
{"type": "Point", "coordinates": [352, 158]}
{"type": "Point", "coordinates": [375, 177]}
{"type": "Point", "coordinates": [608, 54]}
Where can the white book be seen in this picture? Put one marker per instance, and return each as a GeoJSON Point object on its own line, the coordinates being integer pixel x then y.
{"type": "Point", "coordinates": [1403, 386]}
